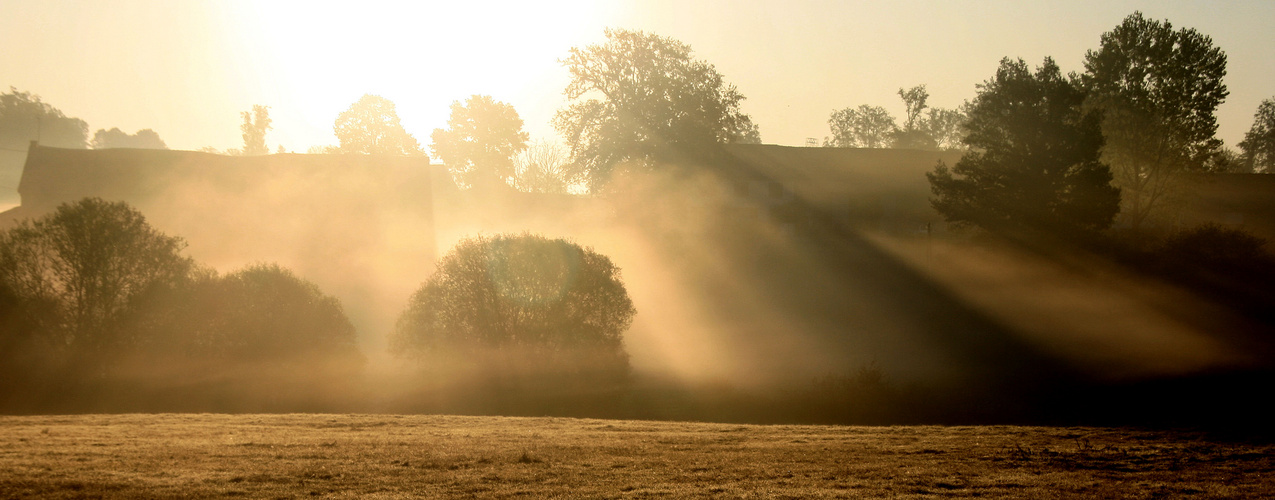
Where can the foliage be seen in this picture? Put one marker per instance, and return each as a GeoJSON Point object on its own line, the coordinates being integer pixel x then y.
{"type": "Point", "coordinates": [481, 138]}
{"type": "Point", "coordinates": [641, 98]}
{"type": "Point", "coordinates": [873, 127]}
{"type": "Point", "coordinates": [255, 125]}
{"type": "Point", "coordinates": [864, 127]}
{"type": "Point", "coordinates": [542, 168]}
{"type": "Point", "coordinates": [81, 268]}
{"type": "Point", "coordinates": [24, 118]}
{"type": "Point", "coordinates": [116, 138]}
{"type": "Point", "coordinates": [1158, 90]}
{"type": "Point", "coordinates": [1034, 160]}
{"type": "Point", "coordinates": [1259, 142]}
{"type": "Point", "coordinates": [520, 294]}
{"type": "Point", "coordinates": [371, 126]}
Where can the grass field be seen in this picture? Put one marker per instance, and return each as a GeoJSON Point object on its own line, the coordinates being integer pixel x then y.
{"type": "Point", "coordinates": [391, 456]}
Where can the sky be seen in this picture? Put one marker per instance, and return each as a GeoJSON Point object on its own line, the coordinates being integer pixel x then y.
{"type": "Point", "coordinates": [186, 69]}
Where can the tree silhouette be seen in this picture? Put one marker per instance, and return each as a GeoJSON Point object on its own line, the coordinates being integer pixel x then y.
{"type": "Point", "coordinates": [1033, 166]}
{"type": "Point", "coordinates": [864, 127]}
{"type": "Point", "coordinates": [255, 125]}
{"type": "Point", "coordinates": [481, 138]}
{"type": "Point", "coordinates": [84, 265]}
{"type": "Point", "coordinates": [1158, 90]}
{"type": "Point", "coordinates": [371, 126]}
{"type": "Point", "coordinates": [653, 101]}
{"type": "Point", "coordinates": [1259, 142]}
{"type": "Point", "coordinates": [116, 138]}
{"type": "Point", "coordinates": [913, 134]}
{"type": "Point", "coordinates": [520, 293]}
{"type": "Point", "coordinates": [25, 118]}
{"type": "Point", "coordinates": [542, 168]}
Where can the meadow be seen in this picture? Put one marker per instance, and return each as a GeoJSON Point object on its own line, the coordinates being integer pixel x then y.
{"type": "Point", "coordinates": [402, 456]}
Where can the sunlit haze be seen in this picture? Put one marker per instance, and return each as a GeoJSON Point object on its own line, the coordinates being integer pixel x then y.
{"type": "Point", "coordinates": [186, 69]}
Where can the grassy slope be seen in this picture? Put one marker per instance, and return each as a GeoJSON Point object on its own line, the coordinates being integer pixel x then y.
{"type": "Point", "coordinates": [389, 456]}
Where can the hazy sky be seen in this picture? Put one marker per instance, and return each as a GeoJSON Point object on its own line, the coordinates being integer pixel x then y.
{"type": "Point", "coordinates": [187, 68]}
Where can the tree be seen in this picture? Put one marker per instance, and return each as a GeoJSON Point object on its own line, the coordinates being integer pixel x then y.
{"type": "Point", "coordinates": [913, 133]}
{"type": "Point", "coordinates": [1034, 162]}
{"type": "Point", "coordinates": [482, 137]}
{"type": "Point", "coordinates": [255, 125]}
{"type": "Point", "coordinates": [1259, 142]}
{"type": "Point", "coordinates": [371, 126]}
{"type": "Point", "coordinates": [1158, 90]}
{"type": "Point", "coordinates": [945, 128]}
{"type": "Point", "coordinates": [641, 98]}
{"type": "Point", "coordinates": [116, 138]}
{"type": "Point", "coordinates": [25, 118]}
{"type": "Point", "coordinates": [84, 265]}
{"type": "Point", "coordinates": [864, 127]}
{"type": "Point", "coordinates": [546, 298]}
{"type": "Point", "coordinates": [542, 168]}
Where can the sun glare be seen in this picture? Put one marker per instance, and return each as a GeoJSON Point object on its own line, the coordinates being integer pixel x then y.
{"type": "Point", "coordinates": [318, 59]}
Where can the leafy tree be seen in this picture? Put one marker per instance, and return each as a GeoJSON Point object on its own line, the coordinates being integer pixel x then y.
{"type": "Point", "coordinates": [371, 126]}
{"type": "Point", "coordinates": [864, 127]}
{"type": "Point", "coordinates": [945, 128]}
{"type": "Point", "coordinates": [547, 298]}
{"type": "Point", "coordinates": [255, 125]}
{"type": "Point", "coordinates": [25, 118]}
{"type": "Point", "coordinates": [482, 137]}
{"type": "Point", "coordinates": [1259, 142]}
{"type": "Point", "coordinates": [542, 168]}
{"type": "Point", "coordinates": [913, 133]}
{"type": "Point", "coordinates": [83, 266]}
{"type": "Point", "coordinates": [116, 138]}
{"type": "Point", "coordinates": [1034, 161]}
{"type": "Point", "coordinates": [641, 98]}
{"type": "Point", "coordinates": [1158, 90]}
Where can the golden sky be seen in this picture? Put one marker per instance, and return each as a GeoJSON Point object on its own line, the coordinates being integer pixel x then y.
{"type": "Point", "coordinates": [187, 68]}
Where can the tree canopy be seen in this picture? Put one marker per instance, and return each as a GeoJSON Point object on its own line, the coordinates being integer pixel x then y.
{"type": "Point", "coordinates": [1158, 89]}
{"type": "Point", "coordinates": [521, 293]}
{"type": "Point", "coordinates": [642, 98]}
{"type": "Point", "coordinates": [1034, 161]}
{"type": "Point", "coordinates": [255, 125]}
{"type": "Point", "coordinates": [862, 127]}
{"type": "Point", "coordinates": [480, 141]}
{"type": "Point", "coordinates": [116, 138]}
{"type": "Point", "coordinates": [873, 127]}
{"type": "Point", "coordinates": [371, 126]}
{"type": "Point", "coordinates": [25, 118]}
{"type": "Point", "coordinates": [1259, 142]}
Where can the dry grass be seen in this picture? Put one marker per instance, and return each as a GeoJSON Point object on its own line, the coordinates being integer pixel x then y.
{"type": "Point", "coordinates": [391, 456]}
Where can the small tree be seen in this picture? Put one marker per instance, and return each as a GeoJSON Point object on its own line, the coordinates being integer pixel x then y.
{"type": "Point", "coordinates": [255, 125]}
{"type": "Point", "coordinates": [542, 168]}
{"type": "Point", "coordinates": [544, 300]}
{"type": "Point", "coordinates": [862, 127]}
{"type": "Point", "coordinates": [116, 138]}
{"type": "Point", "coordinates": [371, 126]}
{"type": "Point", "coordinates": [1259, 142]}
{"type": "Point", "coordinates": [481, 138]}
{"type": "Point", "coordinates": [1034, 164]}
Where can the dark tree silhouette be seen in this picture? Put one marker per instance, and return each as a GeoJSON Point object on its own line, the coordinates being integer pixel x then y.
{"type": "Point", "coordinates": [481, 138]}
{"type": "Point", "coordinates": [547, 298]}
{"type": "Point", "coordinates": [1033, 165]}
{"type": "Point", "coordinates": [25, 118]}
{"type": "Point", "coordinates": [82, 267]}
{"type": "Point", "coordinates": [913, 133]}
{"type": "Point", "coordinates": [653, 102]}
{"type": "Point", "coordinates": [1259, 142]}
{"type": "Point", "coordinates": [255, 125]}
{"type": "Point", "coordinates": [371, 126]}
{"type": "Point", "coordinates": [1158, 90]}
{"type": "Point", "coordinates": [862, 127]}
{"type": "Point", "coordinates": [116, 138]}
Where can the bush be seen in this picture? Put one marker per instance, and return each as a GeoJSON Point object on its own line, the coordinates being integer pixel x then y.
{"type": "Point", "coordinates": [521, 314]}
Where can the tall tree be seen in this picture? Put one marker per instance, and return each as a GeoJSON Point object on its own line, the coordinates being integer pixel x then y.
{"type": "Point", "coordinates": [1259, 142]}
{"type": "Point", "coordinates": [1034, 162]}
{"type": "Point", "coordinates": [25, 118]}
{"type": "Point", "coordinates": [914, 134]}
{"type": "Point", "coordinates": [371, 126]}
{"type": "Point", "coordinates": [945, 128]}
{"type": "Point", "coordinates": [116, 138]}
{"type": "Point", "coordinates": [1158, 89]}
{"type": "Point", "coordinates": [255, 125]}
{"type": "Point", "coordinates": [480, 141]}
{"type": "Point", "coordinates": [862, 127]}
{"type": "Point", "coordinates": [542, 168]}
{"type": "Point", "coordinates": [642, 98]}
